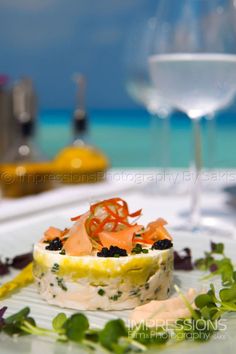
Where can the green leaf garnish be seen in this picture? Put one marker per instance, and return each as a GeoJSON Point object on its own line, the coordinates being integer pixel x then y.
{"type": "Point", "coordinates": [148, 336]}
{"type": "Point", "coordinates": [19, 316]}
{"type": "Point", "coordinates": [217, 248]}
{"type": "Point", "coordinates": [112, 331]}
{"type": "Point", "coordinates": [76, 326]}
{"type": "Point", "coordinates": [59, 321]}
{"type": "Point", "coordinates": [217, 263]}
{"type": "Point", "coordinates": [203, 300]}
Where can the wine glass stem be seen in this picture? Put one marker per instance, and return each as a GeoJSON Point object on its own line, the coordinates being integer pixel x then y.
{"type": "Point", "coordinates": [165, 139]}
{"type": "Point", "coordinates": [196, 191]}
{"type": "Point", "coordinates": [160, 152]}
{"type": "Point", "coordinates": [153, 140]}
{"type": "Point", "coordinates": [211, 138]}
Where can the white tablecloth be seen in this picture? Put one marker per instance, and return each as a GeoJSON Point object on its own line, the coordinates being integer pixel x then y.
{"type": "Point", "coordinates": [134, 186]}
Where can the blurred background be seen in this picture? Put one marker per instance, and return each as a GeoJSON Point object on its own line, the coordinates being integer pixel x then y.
{"type": "Point", "coordinates": [51, 40]}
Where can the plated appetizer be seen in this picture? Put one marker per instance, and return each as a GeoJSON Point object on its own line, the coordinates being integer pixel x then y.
{"type": "Point", "coordinates": [105, 260]}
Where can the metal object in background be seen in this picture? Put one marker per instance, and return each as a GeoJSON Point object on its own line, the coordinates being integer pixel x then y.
{"type": "Point", "coordinates": [23, 164]}
{"type": "Point", "coordinates": [4, 114]}
{"type": "Point", "coordinates": [17, 112]}
{"type": "Point", "coordinates": [80, 117]}
{"type": "Point", "coordinates": [24, 101]}
{"type": "Point", "coordinates": [8, 125]}
{"type": "Point", "coordinates": [24, 106]}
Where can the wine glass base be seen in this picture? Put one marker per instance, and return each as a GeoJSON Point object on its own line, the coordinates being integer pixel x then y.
{"type": "Point", "coordinates": [209, 227]}
{"type": "Point", "coordinates": [153, 188]}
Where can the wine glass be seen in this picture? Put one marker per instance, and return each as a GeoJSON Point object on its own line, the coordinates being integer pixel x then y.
{"type": "Point", "coordinates": [193, 66]}
{"type": "Point", "coordinates": [140, 88]}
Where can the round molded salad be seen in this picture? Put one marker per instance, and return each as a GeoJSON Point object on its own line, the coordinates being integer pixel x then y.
{"type": "Point", "coordinates": [106, 260]}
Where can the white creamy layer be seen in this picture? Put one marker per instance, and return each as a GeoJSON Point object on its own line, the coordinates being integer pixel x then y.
{"type": "Point", "coordinates": [91, 282]}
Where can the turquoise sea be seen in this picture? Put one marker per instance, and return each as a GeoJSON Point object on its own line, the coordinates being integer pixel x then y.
{"type": "Point", "coordinates": [126, 137]}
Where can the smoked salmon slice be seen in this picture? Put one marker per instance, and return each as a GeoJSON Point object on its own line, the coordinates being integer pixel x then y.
{"type": "Point", "coordinates": [78, 242]}
{"type": "Point", "coordinates": [156, 231]}
{"type": "Point", "coordinates": [51, 233]}
{"type": "Point", "coordinates": [122, 239]}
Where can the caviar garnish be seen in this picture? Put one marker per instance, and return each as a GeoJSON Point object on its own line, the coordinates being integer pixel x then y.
{"type": "Point", "coordinates": [54, 245]}
{"type": "Point", "coordinates": [162, 244]}
{"type": "Point", "coordinates": [113, 251]}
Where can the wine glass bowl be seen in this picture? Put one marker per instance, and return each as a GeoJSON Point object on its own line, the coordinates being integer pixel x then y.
{"type": "Point", "coordinates": [193, 66]}
{"type": "Point", "coordinates": [138, 82]}
{"type": "Point", "coordinates": [141, 89]}
{"type": "Point", "coordinates": [197, 84]}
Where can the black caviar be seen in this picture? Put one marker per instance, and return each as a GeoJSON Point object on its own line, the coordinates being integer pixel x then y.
{"type": "Point", "coordinates": [113, 251]}
{"type": "Point", "coordinates": [162, 244]}
{"type": "Point", "coordinates": [54, 245]}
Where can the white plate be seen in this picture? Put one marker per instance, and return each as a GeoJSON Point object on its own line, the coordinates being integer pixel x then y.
{"type": "Point", "coordinates": [16, 240]}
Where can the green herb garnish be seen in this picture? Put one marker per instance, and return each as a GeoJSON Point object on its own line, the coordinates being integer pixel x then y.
{"type": "Point", "coordinates": [116, 296]}
{"type": "Point", "coordinates": [139, 249]}
{"type": "Point", "coordinates": [61, 284]}
{"type": "Point", "coordinates": [101, 292]}
{"type": "Point", "coordinates": [55, 268]}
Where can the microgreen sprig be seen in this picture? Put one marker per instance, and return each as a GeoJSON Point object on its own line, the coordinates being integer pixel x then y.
{"type": "Point", "coordinates": [217, 263]}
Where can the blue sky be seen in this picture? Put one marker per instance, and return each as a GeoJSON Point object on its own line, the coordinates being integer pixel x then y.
{"type": "Point", "coordinates": [51, 39]}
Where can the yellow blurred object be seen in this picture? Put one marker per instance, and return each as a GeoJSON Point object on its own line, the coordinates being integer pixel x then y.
{"type": "Point", "coordinates": [23, 169]}
{"type": "Point", "coordinates": [73, 165]}
{"type": "Point", "coordinates": [25, 178]}
{"type": "Point", "coordinates": [24, 278]}
{"type": "Point", "coordinates": [80, 164]}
